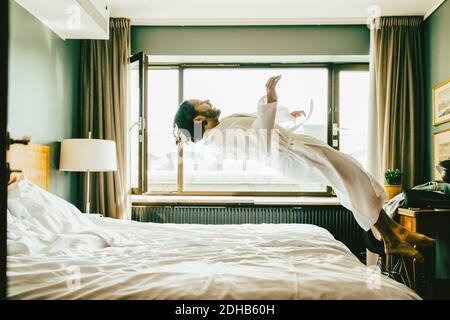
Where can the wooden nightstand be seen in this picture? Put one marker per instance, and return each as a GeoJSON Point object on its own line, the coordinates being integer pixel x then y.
{"type": "Point", "coordinates": [431, 279]}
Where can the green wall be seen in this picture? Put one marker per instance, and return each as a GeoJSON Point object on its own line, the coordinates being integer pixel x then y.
{"type": "Point", "coordinates": [250, 40]}
{"type": "Point", "coordinates": [43, 90]}
{"type": "Point", "coordinates": [437, 70]}
{"type": "Point", "coordinates": [437, 64]}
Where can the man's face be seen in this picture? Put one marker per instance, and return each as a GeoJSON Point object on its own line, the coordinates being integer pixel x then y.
{"type": "Point", "coordinates": [201, 105]}
{"type": "Point", "coordinates": [205, 110]}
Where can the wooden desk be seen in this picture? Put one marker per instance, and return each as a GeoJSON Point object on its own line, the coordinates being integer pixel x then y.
{"type": "Point", "coordinates": [432, 277]}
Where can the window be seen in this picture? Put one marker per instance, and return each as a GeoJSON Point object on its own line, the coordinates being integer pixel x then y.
{"type": "Point", "coordinates": [162, 155]}
{"type": "Point", "coordinates": [237, 89]}
{"type": "Point", "coordinates": [353, 113]}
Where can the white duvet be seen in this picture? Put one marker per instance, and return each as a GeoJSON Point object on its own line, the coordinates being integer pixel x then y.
{"type": "Point", "coordinates": [56, 252]}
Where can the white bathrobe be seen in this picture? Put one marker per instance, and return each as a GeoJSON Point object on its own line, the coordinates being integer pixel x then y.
{"type": "Point", "coordinates": [302, 158]}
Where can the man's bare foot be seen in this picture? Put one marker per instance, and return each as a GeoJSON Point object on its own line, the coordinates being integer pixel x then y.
{"type": "Point", "coordinates": [404, 242]}
{"type": "Point", "coordinates": [402, 249]}
{"type": "Point", "coordinates": [417, 239]}
{"type": "Point", "coordinates": [400, 241]}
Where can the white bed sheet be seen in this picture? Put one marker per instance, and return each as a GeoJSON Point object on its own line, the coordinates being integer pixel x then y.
{"type": "Point", "coordinates": [166, 261]}
{"type": "Point", "coordinates": [55, 252]}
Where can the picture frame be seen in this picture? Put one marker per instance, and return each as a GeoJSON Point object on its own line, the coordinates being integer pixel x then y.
{"type": "Point", "coordinates": [441, 150]}
{"type": "Point", "coordinates": [441, 103]}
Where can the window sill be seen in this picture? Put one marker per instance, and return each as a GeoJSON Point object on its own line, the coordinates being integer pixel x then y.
{"type": "Point", "coordinates": [230, 200]}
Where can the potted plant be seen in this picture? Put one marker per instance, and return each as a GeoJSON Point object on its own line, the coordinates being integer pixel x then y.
{"type": "Point", "coordinates": [393, 184]}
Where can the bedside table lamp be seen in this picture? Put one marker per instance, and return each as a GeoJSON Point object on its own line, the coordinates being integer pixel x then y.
{"type": "Point", "coordinates": [88, 155]}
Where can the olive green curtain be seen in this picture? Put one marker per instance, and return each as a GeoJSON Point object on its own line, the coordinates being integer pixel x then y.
{"type": "Point", "coordinates": [103, 103]}
{"type": "Point", "coordinates": [398, 104]}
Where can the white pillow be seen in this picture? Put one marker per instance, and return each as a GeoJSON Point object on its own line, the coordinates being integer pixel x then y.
{"type": "Point", "coordinates": [41, 211]}
{"type": "Point", "coordinates": [43, 223]}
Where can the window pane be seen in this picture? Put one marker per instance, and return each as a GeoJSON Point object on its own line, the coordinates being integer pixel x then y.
{"type": "Point", "coordinates": [353, 113]}
{"type": "Point", "coordinates": [162, 150]}
{"type": "Point", "coordinates": [133, 124]}
{"type": "Point", "coordinates": [238, 91]}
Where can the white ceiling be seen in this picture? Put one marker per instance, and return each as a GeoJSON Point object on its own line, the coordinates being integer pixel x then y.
{"type": "Point", "coordinates": [265, 12]}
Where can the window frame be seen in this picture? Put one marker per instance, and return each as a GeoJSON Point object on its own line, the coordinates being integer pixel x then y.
{"type": "Point", "coordinates": [333, 119]}
{"type": "Point", "coordinates": [142, 60]}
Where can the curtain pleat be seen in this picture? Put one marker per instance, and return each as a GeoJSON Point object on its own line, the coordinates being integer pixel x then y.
{"type": "Point", "coordinates": [103, 103]}
{"type": "Point", "coordinates": [398, 103]}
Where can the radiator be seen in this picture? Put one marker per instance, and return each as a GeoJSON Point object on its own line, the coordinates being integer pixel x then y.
{"type": "Point", "coordinates": [336, 219]}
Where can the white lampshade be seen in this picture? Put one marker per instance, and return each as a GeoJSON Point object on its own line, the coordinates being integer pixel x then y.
{"type": "Point", "coordinates": [92, 155]}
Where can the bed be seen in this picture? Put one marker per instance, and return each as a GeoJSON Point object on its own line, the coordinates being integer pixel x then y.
{"type": "Point", "coordinates": [57, 252]}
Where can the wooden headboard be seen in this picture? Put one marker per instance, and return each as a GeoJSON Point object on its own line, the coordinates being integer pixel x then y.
{"type": "Point", "coordinates": [33, 160]}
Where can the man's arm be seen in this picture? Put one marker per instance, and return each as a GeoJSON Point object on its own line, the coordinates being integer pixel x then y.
{"type": "Point", "coordinates": [267, 109]}
{"type": "Point", "coordinates": [267, 106]}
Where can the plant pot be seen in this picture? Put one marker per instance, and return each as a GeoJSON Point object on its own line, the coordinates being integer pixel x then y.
{"type": "Point", "coordinates": [392, 190]}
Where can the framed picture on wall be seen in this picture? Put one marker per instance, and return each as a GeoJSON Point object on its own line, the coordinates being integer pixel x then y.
{"type": "Point", "coordinates": [441, 150]}
{"type": "Point", "coordinates": [441, 103]}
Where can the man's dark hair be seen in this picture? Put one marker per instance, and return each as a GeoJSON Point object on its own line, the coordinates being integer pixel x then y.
{"type": "Point", "coordinates": [184, 121]}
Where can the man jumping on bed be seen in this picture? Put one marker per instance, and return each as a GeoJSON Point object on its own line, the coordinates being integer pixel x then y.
{"type": "Point", "coordinates": [301, 155]}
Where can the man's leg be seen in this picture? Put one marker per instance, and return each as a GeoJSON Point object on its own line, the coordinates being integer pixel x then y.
{"type": "Point", "coordinates": [362, 195]}
{"type": "Point", "coordinates": [397, 239]}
